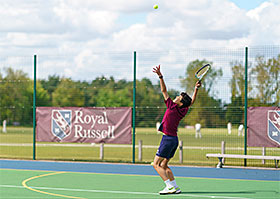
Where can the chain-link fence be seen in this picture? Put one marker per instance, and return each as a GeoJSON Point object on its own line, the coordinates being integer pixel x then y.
{"type": "Point", "coordinates": [105, 79]}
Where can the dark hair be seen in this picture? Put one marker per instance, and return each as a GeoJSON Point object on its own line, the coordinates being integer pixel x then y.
{"type": "Point", "coordinates": [186, 100]}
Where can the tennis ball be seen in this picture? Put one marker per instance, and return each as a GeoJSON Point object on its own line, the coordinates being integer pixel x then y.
{"type": "Point", "coordinates": [155, 6]}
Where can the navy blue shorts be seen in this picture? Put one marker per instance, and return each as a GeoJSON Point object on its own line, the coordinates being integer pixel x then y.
{"type": "Point", "coordinates": [167, 147]}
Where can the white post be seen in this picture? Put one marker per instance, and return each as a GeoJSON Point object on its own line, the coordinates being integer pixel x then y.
{"type": "Point", "coordinates": [229, 126]}
{"type": "Point", "coordinates": [181, 151]}
{"type": "Point", "coordinates": [140, 150]}
{"type": "Point", "coordinates": [101, 151]}
{"type": "Point", "coordinates": [223, 150]}
{"type": "Point", "coordinates": [4, 126]}
{"type": "Point", "coordinates": [263, 153]}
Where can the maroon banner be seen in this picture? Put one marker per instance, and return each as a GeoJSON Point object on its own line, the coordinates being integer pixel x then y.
{"type": "Point", "coordinates": [264, 126]}
{"type": "Point", "coordinates": [87, 125]}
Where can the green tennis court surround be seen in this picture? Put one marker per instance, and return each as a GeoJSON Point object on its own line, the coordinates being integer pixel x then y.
{"type": "Point", "coordinates": [113, 181]}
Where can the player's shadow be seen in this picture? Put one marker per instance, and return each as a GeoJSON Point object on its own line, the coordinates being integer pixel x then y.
{"type": "Point", "coordinates": [228, 192]}
{"type": "Point", "coordinates": [218, 192]}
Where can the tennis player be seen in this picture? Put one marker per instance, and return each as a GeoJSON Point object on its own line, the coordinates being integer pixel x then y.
{"type": "Point", "coordinates": [176, 110]}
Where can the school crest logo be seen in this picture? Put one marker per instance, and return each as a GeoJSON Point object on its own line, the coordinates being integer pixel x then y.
{"type": "Point", "coordinates": [273, 126]}
{"type": "Point", "coordinates": [61, 123]}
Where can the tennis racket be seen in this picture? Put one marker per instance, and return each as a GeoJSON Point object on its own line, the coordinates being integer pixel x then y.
{"type": "Point", "coordinates": [202, 71]}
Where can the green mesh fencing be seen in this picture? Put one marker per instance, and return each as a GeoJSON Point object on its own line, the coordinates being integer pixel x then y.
{"type": "Point", "coordinates": [105, 79]}
{"type": "Point", "coordinates": [16, 102]}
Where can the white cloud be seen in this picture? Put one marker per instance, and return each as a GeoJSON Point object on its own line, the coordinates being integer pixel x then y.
{"type": "Point", "coordinates": [255, 13]}
{"type": "Point", "coordinates": [175, 24]}
{"type": "Point", "coordinates": [86, 19]}
{"type": "Point", "coordinates": [266, 27]}
{"type": "Point", "coordinates": [75, 30]}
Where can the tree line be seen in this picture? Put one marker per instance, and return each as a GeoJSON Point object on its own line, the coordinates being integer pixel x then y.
{"type": "Point", "coordinates": [16, 91]}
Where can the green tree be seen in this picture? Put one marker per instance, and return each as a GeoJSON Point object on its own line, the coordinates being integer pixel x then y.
{"type": "Point", "coordinates": [206, 110]}
{"type": "Point", "coordinates": [267, 81]}
{"type": "Point", "coordinates": [209, 80]}
{"type": "Point", "coordinates": [68, 94]}
{"type": "Point", "coordinates": [51, 84]}
{"type": "Point", "coordinates": [237, 82]}
{"type": "Point", "coordinates": [263, 87]}
{"type": "Point", "coordinates": [100, 84]}
{"type": "Point", "coordinates": [42, 99]}
{"type": "Point", "coordinates": [16, 100]}
{"type": "Point", "coordinates": [149, 102]}
{"type": "Point", "coordinates": [109, 97]}
{"type": "Point", "coordinates": [235, 109]}
{"type": "Point", "coordinates": [3, 110]}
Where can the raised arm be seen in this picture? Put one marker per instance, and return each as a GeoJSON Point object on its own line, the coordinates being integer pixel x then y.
{"type": "Point", "coordinates": [197, 85]}
{"type": "Point", "coordinates": [162, 84]}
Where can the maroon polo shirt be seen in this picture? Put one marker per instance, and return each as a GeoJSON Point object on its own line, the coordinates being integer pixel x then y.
{"type": "Point", "coordinates": [172, 117]}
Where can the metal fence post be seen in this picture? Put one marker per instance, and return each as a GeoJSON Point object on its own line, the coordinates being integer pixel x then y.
{"type": "Point", "coordinates": [134, 106]}
{"type": "Point", "coordinates": [245, 104]}
{"type": "Point", "coordinates": [34, 109]}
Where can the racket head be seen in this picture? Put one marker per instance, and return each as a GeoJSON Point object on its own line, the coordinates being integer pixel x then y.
{"type": "Point", "coordinates": [199, 74]}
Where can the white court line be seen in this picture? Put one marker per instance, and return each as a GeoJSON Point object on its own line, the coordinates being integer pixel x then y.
{"type": "Point", "coordinates": [122, 192]}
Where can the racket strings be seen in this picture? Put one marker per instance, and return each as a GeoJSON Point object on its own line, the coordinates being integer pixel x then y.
{"type": "Point", "coordinates": [201, 72]}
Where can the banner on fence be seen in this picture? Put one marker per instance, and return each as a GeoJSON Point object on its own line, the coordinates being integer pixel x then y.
{"type": "Point", "coordinates": [86, 125]}
{"type": "Point", "coordinates": [264, 126]}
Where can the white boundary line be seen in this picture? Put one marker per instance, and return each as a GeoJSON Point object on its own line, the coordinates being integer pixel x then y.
{"type": "Point", "coordinates": [121, 192]}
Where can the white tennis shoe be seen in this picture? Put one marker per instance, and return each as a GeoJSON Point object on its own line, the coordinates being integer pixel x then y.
{"type": "Point", "coordinates": [178, 190]}
{"type": "Point", "coordinates": [166, 190]}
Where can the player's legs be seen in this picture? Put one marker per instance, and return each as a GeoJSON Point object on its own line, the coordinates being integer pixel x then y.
{"type": "Point", "coordinates": [158, 167]}
{"type": "Point", "coordinates": [170, 175]}
{"type": "Point", "coordinates": [168, 171]}
{"type": "Point", "coordinates": [164, 173]}
{"type": "Point", "coordinates": [165, 152]}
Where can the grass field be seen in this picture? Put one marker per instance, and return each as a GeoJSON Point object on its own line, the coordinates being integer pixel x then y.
{"type": "Point", "coordinates": [17, 143]}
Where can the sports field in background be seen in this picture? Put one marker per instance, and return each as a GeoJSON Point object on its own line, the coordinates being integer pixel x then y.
{"type": "Point", "coordinates": [221, 100]}
{"type": "Point", "coordinates": [17, 144]}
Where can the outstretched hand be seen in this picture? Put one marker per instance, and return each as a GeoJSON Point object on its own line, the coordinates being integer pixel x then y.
{"type": "Point", "coordinates": [198, 84]}
{"type": "Point", "coordinates": [157, 70]}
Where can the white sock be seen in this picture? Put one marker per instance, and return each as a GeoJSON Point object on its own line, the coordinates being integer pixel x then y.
{"type": "Point", "coordinates": [173, 183]}
{"type": "Point", "coordinates": [168, 184]}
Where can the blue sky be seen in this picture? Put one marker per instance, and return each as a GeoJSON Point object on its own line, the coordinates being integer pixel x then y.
{"type": "Point", "coordinates": [247, 4]}
{"type": "Point", "coordinates": [139, 17]}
